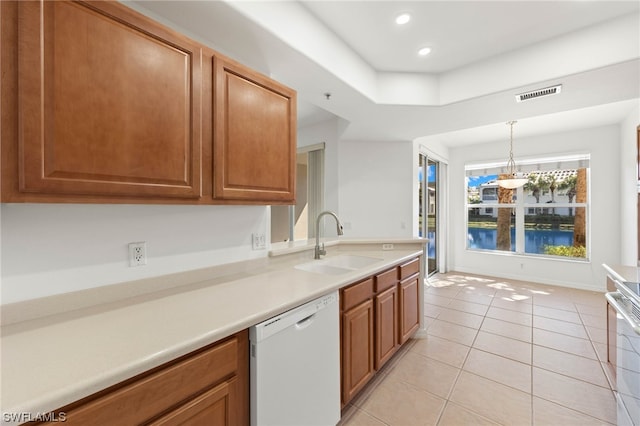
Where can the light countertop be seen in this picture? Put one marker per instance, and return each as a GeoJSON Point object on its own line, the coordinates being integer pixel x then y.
{"type": "Point", "coordinates": [623, 273]}
{"type": "Point", "coordinates": [83, 346]}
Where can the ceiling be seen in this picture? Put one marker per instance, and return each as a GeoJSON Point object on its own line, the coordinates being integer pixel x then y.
{"type": "Point", "coordinates": [459, 32]}
{"type": "Point", "coordinates": [483, 54]}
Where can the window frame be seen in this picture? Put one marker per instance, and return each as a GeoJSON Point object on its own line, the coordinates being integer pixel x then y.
{"type": "Point", "coordinates": [521, 208]}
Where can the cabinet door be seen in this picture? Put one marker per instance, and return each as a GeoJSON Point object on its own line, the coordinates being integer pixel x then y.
{"type": "Point", "coordinates": [108, 103]}
{"type": "Point", "coordinates": [144, 398]}
{"type": "Point", "coordinates": [254, 154]}
{"type": "Point", "coordinates": [386, 325]}
{"type": "Point", "coordinates": [357, 349]}
{"type": "Point", "coordinates": [409, 309]}
{"type": "Point", "coordinates": [213, 408]}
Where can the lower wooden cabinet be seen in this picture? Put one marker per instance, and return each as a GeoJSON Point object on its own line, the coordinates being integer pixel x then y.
{"type": "Point", "coordinates": [409, 290]}
{"type": "Point", "coordinates": [386, 332]}
{"type": "Point", "coordinates": [357, 349]}
{"type": "Point", "coordinates": [378, 315]}
{"type": "Point", "coordinates": [409, 318]}
{"type": "Point", "coordinates": [208, 387]}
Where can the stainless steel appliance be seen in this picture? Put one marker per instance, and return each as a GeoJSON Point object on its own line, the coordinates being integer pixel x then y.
{"type": "Point", "coordinates": [295, 366]}
{"type": "Point", "coordinates": [626, 302]}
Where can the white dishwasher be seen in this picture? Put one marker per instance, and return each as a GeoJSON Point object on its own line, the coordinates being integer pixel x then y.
{"type": "Point", "coordinates": [295, 366]}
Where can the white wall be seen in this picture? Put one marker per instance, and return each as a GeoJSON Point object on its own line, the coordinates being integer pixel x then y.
{"type": "Point", "coordinates": [376, 188]}
{"type": "Point", "coordinates": [603, 143]}
{"type": "Point", "coordinates": [49, 249]}
{"type": "Point", "coordinates": [628, 181]}
{"type": "Point", "coordinates": [327, 132]}
{"type": "Point", "coordinates": [56, 248]}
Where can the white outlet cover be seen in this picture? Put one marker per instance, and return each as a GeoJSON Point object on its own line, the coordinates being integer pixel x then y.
{"type": "Point", "coordinates": [138, 253]}
{"type": "Point", "coordinates": [258, 241]}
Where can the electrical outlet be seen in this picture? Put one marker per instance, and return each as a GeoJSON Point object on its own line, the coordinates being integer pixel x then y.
{"type": "Point", "coordinates": [138, 253]}
{"type": "Point", "coordinates": [258, 241]}
{"type": "Point", "coordinates": [387, 246]}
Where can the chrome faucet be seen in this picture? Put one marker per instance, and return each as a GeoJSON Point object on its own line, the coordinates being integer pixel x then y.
{"type": "Point", "coordinates": [319, 251]}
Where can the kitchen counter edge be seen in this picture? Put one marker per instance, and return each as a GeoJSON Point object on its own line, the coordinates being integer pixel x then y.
{"type": "Point", "coordinates": [623, 273]}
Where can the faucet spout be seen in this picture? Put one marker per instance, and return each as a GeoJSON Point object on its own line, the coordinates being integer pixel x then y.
{"type": "Point", "coordinates": [319, 251]}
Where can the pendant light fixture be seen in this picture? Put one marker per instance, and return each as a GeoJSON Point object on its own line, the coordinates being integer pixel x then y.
{"type": "Point", "coordinates": [513, 181]}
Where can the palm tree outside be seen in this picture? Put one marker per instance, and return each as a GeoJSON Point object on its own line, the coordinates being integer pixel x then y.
{"type": "Point", "coordinates": [580, 224]}
{"type": "Point", "coordinates": [503, 225]}
{"type": "Point", "coordinates": [569, 184]}
{"type": "Point", "coordinates": [536, 184]}
{"type": "Point", "coordinates": [552, 185]}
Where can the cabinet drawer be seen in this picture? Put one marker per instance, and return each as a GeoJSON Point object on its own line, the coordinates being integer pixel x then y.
{"type": "Point", "coordinates": [211, 408]}
{"type": "Point", "coordinates": [410, 268]}
{"type": "Point", "coordinates": [142, 399]}
{"type": "Point", "coordinates": [357, 293]}
{"type": "Point", "coordinates": [386, 279]}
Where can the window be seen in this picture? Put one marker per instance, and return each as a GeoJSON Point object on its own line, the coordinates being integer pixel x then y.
{"type": "Point", "coordinates": [546, 217]}
{"type": "Point", "coordinates": [489, 194]}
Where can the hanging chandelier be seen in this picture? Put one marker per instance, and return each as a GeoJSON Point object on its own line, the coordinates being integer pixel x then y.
{"type": "Point", "coordinates": [513, 181]}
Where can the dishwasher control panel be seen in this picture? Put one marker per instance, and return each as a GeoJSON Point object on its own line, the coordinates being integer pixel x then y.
{"type": "Point", "coordinates": [326, 300]}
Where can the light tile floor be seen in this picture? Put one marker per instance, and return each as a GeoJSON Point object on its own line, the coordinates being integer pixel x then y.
{"type": "Point", "coordinates": [496, 352]}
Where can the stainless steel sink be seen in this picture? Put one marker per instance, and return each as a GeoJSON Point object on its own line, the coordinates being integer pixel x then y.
{"type": "Point", "coordinates": [337, 265]}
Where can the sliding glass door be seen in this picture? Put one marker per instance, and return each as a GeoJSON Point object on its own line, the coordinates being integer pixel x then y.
{"type": "Point", "coordinates": [428, 210]}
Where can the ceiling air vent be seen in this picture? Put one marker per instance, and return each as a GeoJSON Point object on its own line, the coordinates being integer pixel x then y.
{"type": "Point", "coordinates": [547, 91]}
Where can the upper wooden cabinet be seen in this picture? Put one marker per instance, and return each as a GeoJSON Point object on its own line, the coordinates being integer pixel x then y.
{"type": "Point", "coordinates": [254, 154]}
{"type": "Point", "coordinates": [109, 103]}
{"type": "Point", "coordinates": [101, 104]}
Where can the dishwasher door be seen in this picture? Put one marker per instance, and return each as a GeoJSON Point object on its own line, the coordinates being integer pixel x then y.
{"type": "Point", "coordinates": [295, 366]}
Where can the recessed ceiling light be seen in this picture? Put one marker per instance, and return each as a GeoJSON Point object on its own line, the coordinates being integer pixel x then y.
{"type": "Point", "coordinates": [424, 51]}
{"type": "Point", "coordinates": [403, 18]}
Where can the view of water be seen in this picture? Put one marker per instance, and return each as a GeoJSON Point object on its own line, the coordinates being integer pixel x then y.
{"type": "Point", "coordinates": [535, 239]}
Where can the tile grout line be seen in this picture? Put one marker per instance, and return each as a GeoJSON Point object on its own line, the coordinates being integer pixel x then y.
{"type": "Point", "coordinates": [455, 382]}
{"type": "Point", "coordinates": [600, 363]}
{"type": "Point", "coordinates": [588, 336]}
{"type": "Point", "coordinates": [531, 365]}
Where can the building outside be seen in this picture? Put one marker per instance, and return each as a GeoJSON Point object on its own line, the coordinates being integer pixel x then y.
{"type": "Point", "coordinates": [486, 194]}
